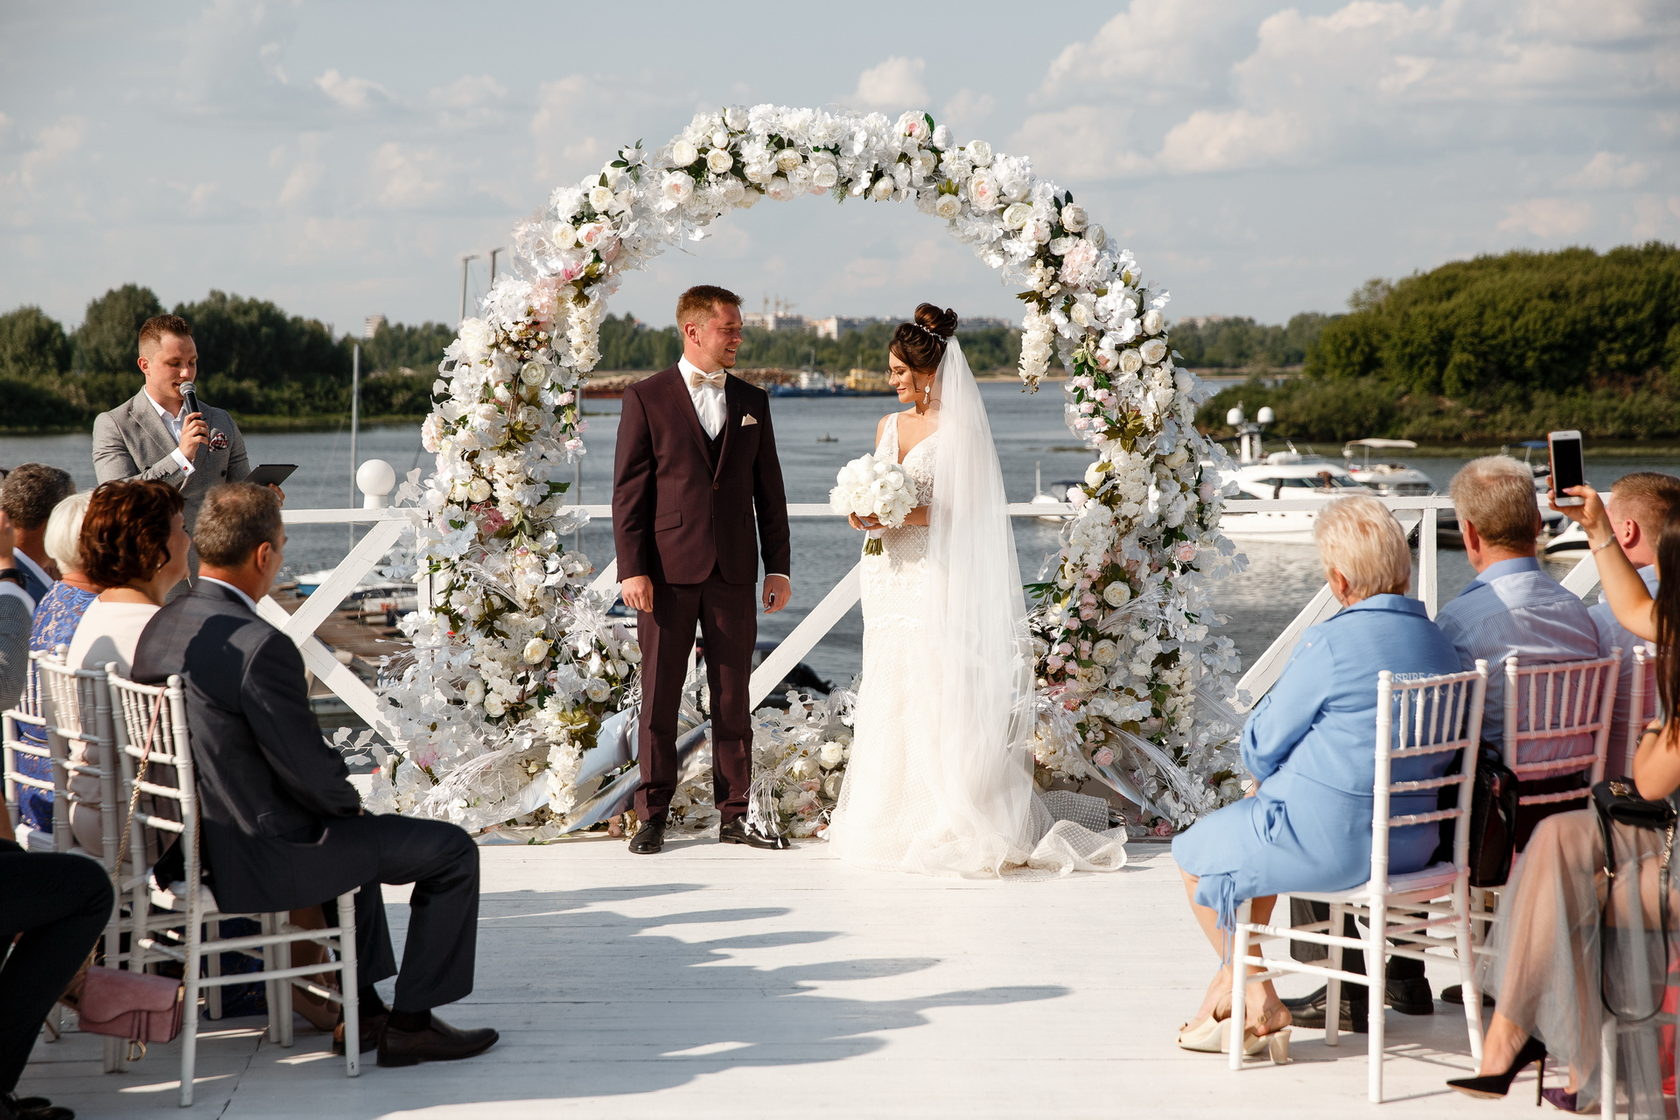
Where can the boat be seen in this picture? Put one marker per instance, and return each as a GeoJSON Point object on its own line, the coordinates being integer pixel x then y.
{"type": "Point", "coordinates": [814, 383]}
{"type": "Point", "coordinates": [1553, 523]}
{"type": "Point", "coordinates": [1396, 480]}
{"type": "Point", "coordinates": [1279, 476]}
{"type": "Point", "coordinates": [826, 438]}
{"type": "Point", "coordinates": [1055, 496]}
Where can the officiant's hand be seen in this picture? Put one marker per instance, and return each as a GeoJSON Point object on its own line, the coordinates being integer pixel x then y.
{"type": "Point", "coordinates": [637, 592]}
{"type": "Point", "coordinates": [777, 592]}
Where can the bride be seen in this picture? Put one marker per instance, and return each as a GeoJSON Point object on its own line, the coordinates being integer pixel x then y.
{"type": "Point", "coordinates": [940, 776]}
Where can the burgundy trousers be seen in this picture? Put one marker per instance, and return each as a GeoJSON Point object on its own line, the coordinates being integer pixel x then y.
{"type": "Point", "coordinates": [727, 614]}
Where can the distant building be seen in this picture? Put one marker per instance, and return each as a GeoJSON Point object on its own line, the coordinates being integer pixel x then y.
{"type": "Point", "coordinates": [372, 325]}
{"type": "Point", "coordinates": [983, 321]}
{"type": "Point", "coordinates": [836, 325]}
{"type": "Point", "coordinates": [775, 321]}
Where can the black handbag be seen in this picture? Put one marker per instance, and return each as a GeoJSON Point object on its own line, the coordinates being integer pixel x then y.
{"type": "Point", "coordinates": [1493, 819]}
{"type": "Point", "coordinates": [1617, 801]}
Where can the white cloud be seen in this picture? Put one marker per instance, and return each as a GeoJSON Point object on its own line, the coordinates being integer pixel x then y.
{"type": "Point", "coordinates": [1547, 217]}
{"type": "Point", "coordinates": [52, 144]}
{"type": "Point", "coordinates": [305, 172]}
{"type": "Point", "coordinates": [406, 177]}
{"type": "Point", "coordinates": [1655, 217]}
{"type": "Point", "coordinates": [1610, 171]}
{"type": "Point", "coordinates": [1209, 140]}
{"type": "Point", "coordinates": [968, 111]}
{"type": "Point", "coordinates": [472, 101]}
{"type": "Point", "coordinates": [353, 93]}
{"type": "Point", "coordinates": [895, 84]}
{"type": "Point", "coordinates": [564, 152]}
{"type": "Point", "coordinates": [1082, 142]}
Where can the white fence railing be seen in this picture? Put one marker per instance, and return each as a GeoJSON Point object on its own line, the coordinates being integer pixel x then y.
{"type": "Point", "coordinates": [388, 526]}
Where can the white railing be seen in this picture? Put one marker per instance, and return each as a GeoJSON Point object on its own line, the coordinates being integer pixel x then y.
{"type": "Point", "coordinates": [388, 526]}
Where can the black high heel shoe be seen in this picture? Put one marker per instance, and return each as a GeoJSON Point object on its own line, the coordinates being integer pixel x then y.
{"type": "Point", "coordinates": [1496, 1085]}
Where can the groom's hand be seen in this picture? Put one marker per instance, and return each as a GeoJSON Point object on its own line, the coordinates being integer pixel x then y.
{"type": "Point", "coordinates": [777, 592]}
{"type": "Point", "coordinates": [637, 592]}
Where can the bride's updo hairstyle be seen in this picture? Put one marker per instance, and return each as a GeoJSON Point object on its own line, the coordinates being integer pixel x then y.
{"type": "Point", "coordinates": [920, 344]}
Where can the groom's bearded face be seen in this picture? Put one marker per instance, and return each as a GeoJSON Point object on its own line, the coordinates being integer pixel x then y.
{"type": "Point", "coordinates": [711, 344]}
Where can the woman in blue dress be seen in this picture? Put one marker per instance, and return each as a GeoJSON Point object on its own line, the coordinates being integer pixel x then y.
{"type": "Point", "coordinates": [1309, 744]}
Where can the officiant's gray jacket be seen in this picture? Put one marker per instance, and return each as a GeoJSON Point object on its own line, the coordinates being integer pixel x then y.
{"type": "Point", "coordinates": [132, 441]}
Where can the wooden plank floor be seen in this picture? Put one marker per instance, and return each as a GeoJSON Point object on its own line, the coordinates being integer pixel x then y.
{"type": "Point", "coordinates": [711, 981]}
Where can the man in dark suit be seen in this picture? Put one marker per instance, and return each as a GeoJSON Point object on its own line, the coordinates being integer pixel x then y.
{"type": "Point", "coordinates": [282, 827]}
{"type": "Point", "coordinates": [697, 499]}
{"type": "Point", "coordinates": [152, 435]}
{"type": "Point", "coordinates": [27, 498]}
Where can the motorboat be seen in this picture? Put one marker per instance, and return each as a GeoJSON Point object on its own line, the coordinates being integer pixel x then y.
{"type": "Point", "coordinates": [1279, 476]}
{"type": "Point", "coordinates": [1553, 524]}
{"type": "Point", "coordinates": [1390, 479]}
{"type": "Point", "coordinates": [1055, 496]}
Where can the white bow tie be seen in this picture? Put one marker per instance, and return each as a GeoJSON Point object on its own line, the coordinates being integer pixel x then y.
{"type": "Point", "coordinates": [715, 380]}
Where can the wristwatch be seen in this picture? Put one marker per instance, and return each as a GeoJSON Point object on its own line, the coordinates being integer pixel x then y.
{"type": "Point", "coordinates": [13, 574]}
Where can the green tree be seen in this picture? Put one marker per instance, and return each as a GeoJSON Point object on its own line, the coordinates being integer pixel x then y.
{"type": "Point", "coordinates": [32, 342]}
{"type": "Point", "coordinates": [108, 339]}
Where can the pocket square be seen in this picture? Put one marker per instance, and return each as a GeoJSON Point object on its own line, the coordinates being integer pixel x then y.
{"type": "Point", "coordinates": [748, 419]}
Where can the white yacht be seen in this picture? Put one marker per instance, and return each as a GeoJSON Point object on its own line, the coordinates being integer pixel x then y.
{"type": "Point", "coordinates": [1279, 476]}
{"type": "Point", "coordinates": [1387, 478]}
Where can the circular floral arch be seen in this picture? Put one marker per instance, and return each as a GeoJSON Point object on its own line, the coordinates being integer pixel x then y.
{"type": "Point", "coordinates": [518, 664]}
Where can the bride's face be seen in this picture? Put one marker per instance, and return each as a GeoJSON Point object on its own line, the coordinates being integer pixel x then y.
{"type": "Point", "coordinates": [906, 382]}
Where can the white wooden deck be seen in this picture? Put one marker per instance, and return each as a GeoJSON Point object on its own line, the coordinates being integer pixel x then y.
{"type": "Point", "coordinates": [712, 981]}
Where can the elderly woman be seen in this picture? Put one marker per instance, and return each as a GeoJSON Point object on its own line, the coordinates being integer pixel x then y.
{"type": "Point", "coordinates": [56, 618]}
{"type": "Point", "coordinates": [1309, 745]}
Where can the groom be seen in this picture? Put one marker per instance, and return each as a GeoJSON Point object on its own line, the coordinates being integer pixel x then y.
{"type": "Point", "coordinates": [696, 461]}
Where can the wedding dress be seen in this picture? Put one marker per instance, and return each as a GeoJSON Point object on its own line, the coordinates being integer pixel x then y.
{"type": "Point", "coordinates": [940, 775]}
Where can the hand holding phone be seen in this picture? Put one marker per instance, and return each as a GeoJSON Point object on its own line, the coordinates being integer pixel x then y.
{"type": "Point", "coordinates": [1568, 466]}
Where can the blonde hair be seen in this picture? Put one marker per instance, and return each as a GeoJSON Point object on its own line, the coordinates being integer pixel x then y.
{"type": "Point", "coordinates": [64, 531]}
{"type": "Point", "coordinates": [1496, 494]}
{"type": "Point", "coordinates": [1360, 538]}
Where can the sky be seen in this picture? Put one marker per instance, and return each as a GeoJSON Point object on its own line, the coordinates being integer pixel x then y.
{"type": "Point", "coordinates": [1260, 159]}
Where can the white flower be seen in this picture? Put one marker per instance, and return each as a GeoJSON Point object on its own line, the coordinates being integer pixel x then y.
{"type": "Point", "coordinates": [1130, 361]}
{"type": "Point", "coordinates": [718, 160]}
{"type": "Point", "coordinates": [592, 235]}
{"type": "Point", "coordinates": [677, 188]}
{"type": "Point", "coordinates": [1017, 214]}
{"type": "Point", "coordinates": [1105, 652]}
{"type": "Point", "coordinates": [1152, 321]}
{"type": "Point", "coordinates": [478, 490]}
{"type": "Point", "coordinates": [564, 235]}
{"type": "Point", "coordinates": [735, 117]}
{"type": "Point", "coordinates": [1116, 594]}
{"type": "Point", "coordinates": [1073, 218]}
{"type": "Point", "coordinates": [778, 189]}
{"type": "Point", "coordinates": [824, 175]}
{"type": "Point", "coordinates": [493, 706]}
{"type": "Point", "coordinates": [914, 126]}
{"type": "Point", "coordinates": [597, 690]}
{"type": "Point", "coordinates": [882, 190]}
{"type": "Point", "coordinates": [600, 197]}
{"type": "Point", "coordinates": [683, 153]}
{"type": "Point", "coordinates": [535, 650]}
{"type": "Point", "coordinates": [831, 755]}
{"type": "Point", "coordinates": [787, 159]}
{"type": "Point", "coordinates": [1153, 350]}
{"type": "Point", "coordinates": [979, 151]}
{"type": "Point", "coordinates": [948, 206]}
{"type": "Point", "coordinates": [983, 191]}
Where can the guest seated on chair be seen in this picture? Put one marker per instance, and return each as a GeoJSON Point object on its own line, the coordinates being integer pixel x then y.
{"type": "Point", "coordinates": [57, 614]}
{"type": "Point", "coordinates": [281, 825]}
{"type": "Point", "coordinates": [1547, 961]}
{"type": "Point", "coordinates": [56, 906]}
{"type": "Point", "coordinates": [29, 495]}
{"type": "Point", "coordinates": [1309, 746]}
{"type": "Point", "coordinates": [17, 610]}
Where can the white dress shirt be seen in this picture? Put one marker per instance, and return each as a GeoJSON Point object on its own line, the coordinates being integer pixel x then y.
{"type": "Point", "coordinates": [708, 399]}
{"type": "Point", "coordinates": [249, 602]}
{"type": "Point", "coordinates": [173, 423]}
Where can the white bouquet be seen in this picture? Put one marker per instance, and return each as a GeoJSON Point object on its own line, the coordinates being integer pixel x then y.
{"type": "Point", "coordinates": [871, 486]}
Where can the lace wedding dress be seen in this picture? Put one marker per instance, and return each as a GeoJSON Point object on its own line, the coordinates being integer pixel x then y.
{"type": "Point", "coordinates": [903, 806]}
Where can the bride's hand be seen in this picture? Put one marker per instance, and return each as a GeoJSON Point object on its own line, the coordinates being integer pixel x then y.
{"type": "Point", "coordinates": [869, 522]}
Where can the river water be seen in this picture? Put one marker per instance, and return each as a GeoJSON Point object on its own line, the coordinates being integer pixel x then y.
{"type": "Point", "coordinates": [1030, 434]}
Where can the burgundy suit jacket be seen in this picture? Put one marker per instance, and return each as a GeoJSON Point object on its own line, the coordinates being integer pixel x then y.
{"type": "Point", "coordinates": [675, 517]}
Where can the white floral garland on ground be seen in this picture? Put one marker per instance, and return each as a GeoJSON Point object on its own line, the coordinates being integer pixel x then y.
{"type": "Point", "coordinates": [514, 670]}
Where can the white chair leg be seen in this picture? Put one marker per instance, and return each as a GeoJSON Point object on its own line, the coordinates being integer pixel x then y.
{"type": "Point", "coordinates": [1333, 984]}
{"type": "Point", "coordinates": [1376, 974]}
{"type": "Point", "coordinates": [1607, 1068]}
{"type": "Point", "coordinates": [1469, 975]}
{"type": "Point", "coordinates": [1239, 986]}
{"type": "Point", "coordinates": [347, 984]}
{"type": "Point", "coordinates": [189, 1010]}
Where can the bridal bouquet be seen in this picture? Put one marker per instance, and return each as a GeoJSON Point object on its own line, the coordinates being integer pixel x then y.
{"type": "Point", "coordinates": [870, 486]}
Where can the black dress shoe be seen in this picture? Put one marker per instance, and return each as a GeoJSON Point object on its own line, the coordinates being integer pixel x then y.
{"type": "Point", "coordinates": [370, 1028]}
{"type": "Point", "coordinates": [1410, 996]}
{"type": "Point", "coordinates": [649, 838]}
{"type": "Point", "coordinates": [32, 1108]}
{"type": "Point", "coordinates": [439, 1042]}
{"type": "Point", "coordinates": [1455, 994]}
{"type": "Point", "coordinates": [1310, 1011]}
{"type": "Point", "coordinates": [739, 832]}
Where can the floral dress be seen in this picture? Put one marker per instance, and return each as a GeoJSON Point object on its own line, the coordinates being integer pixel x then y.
{"type": "Point", "coordinates": [56, 617]}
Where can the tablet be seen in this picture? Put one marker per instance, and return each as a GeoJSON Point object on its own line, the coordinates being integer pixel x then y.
{"type": "Point", "coordinates": [271, 474]}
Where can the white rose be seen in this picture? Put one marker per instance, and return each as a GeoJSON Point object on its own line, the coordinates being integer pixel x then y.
{"type": "Point", "coordinates": [787, 159]}
{"type": "Point", "coordinates": [1152, 321]}
{"type": "Point", "coordinates": [718, 160]}
{"type": "Point", "coordinates": [475, 691]}
{"type": "Point", "coordinates": [982, 191]}
{"type": "Point", "coordinates": [1093, 475]}
{"type": "Point", "coordinates": [735, 117]}
{"type": "Point", "coordinates": [677, 188]}
{"type": "Point", "coordinates": [535, 650]}
{"type": "Point", "coordinates": [1153, 350]}
{"type": "Point", "coordinates": [948, 206]}
{"type": "Point", "coordinates": [831, 755]}
{"type": "Point", "coordinates": [600, 198]}
{"type": "Point", "coordinates": [1016, 215]}
{"type": "Point", "coordinates": [493, 706]}
{"type": "Point", "coordinates": [1130, 361]}
{"type": "Point", "coordinates": [478, 490]}
{"type": "Point", "coordinates": [915, 126]}
{"type": "Point", "coordinates": [1037, 230]}
{"type": "Point", "coordinates": [779, 189]}
{"type": "Point", "coordinates": [683, 153]}
{"type": "Point", "coordinates": [1105, 652]}
{"type": "Point", "coordinates": [825, 175]}
{"type": "Point", "coordinates": [592, 234]}
{"type": "Point", "coordinates": [564, 235]}
{"type": "Point", "coordinates": [1073, 218]}
{"type": "Point", "coordinates": [597, 690]}
{"type": "Point", "coordinates": [631, 652]}
{"type": "Point", "coordinates": [1116, 594]}
{"type": "Point", "coordinates": [979, 151]}
{"type": "Point", "coordinates": [882, 191]}
{"type": "Point", "coordinates": [924, 165]}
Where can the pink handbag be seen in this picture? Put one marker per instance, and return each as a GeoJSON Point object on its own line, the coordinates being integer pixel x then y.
{"type": "Point", "coordinates": [139, 1006]}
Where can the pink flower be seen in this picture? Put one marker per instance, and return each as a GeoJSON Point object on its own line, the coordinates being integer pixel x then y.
{"type": "Point", "coordinates": [1053, 662]}
{"type": "Point", "coordinates": [1186, 552]}
{"type": "Point", "coordinates": [1103, 756]}
{"type": "Point", "coordinates": [1163, 828]}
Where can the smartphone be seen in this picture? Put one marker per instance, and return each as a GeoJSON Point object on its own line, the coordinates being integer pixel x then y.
{"type": "Point", "coordinates": [271, 474]}
{"type": "Point", "coordinates": [1568, 467]}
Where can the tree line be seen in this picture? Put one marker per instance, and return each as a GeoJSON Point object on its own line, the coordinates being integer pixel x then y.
{"type": "Point", "coordinates": [1492, 350]}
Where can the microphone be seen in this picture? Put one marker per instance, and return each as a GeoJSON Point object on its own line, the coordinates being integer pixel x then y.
{"type": "Point", "coordinates": [189, 394]}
